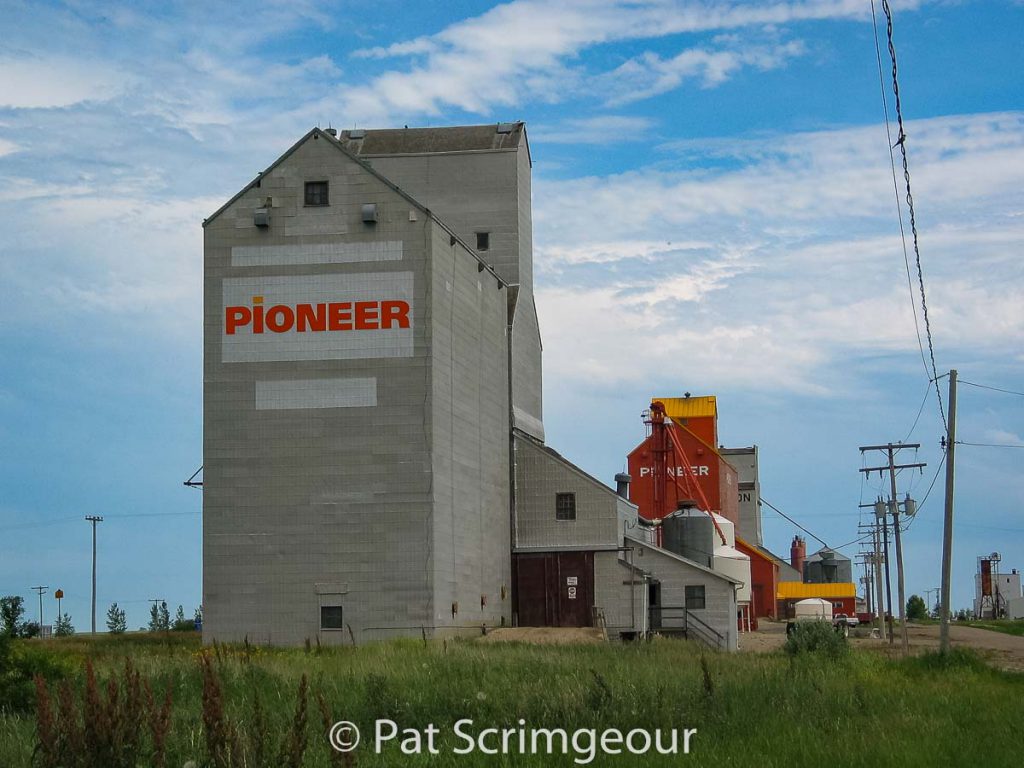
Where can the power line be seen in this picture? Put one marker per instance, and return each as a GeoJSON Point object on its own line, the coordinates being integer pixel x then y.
{"type": "Point", "coordinates": [990, 527]}
{"type": "Point", "coordinates": [920, 504]}
{"type": "Point", "coordinates": [991, 445]}
{"type": "Point", "coordinates": [920, 410]}
{"type": "Point", "coordinates": [794, 522]}
{"type": "Point", "coordinates": [59, 520]}
{"type": "Point", "coordinates": [855, 541]}
{"type": "Point", "coordinates": [902, 142]}
{"type": "Point", "coordinates": [896, 192]}
{"type": "Point", "coordinates": [994, 389]}
{"type": "Point", "coordinates": [38, 524]}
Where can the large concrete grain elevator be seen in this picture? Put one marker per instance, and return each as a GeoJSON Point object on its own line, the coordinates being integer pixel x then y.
{"type": "Point", "coordinates": [374, 455]}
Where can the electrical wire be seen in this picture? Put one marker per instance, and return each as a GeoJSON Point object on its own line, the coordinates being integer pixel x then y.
{"type": "Point", "coordinates": [920, 410]}
{"type": "Point", "coordinates": [986, 386]}
{"type": "Point", "coordinates": [859, 540]}
{"type": "Point", "coordinates": [794, 522]}
{"type": "Point", "coordinates": [991, 445]}
{"type": "Point", "coordinates": [896, 191]}
{"type": "Point", "coordinates": [61, 520]}
{"type": "Point", "coordinates": [920, 506]}
{"type": "Point", "coordinates": [902, 143]}
{"type": "Point", "coordinates": [39, 523]}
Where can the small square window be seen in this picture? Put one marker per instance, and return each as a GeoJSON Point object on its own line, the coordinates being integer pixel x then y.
{"type": "Point", "coordinates": [316, 193]}
{"type": "Point", "coordinates": [330, 617]}
{"type": "Point", "coordinates": [483, 241]}
{"type": "Point", "coordinates": [565, 506]}
{"type": "Point", "coordinates": [695, 597]}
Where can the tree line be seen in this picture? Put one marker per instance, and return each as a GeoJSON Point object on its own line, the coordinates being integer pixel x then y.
{"type": "Point", "coordinates": [14, 624]}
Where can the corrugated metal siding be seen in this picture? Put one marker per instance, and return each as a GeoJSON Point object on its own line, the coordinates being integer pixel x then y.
{"type": "Point", "coordinates": [798, 590]}
{"type": "Point", "coordinates": [461, 138]}
{"type": "Point", "coordinates": [689, 407]}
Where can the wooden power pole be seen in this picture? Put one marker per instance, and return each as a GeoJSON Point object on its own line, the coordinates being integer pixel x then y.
{"type": "Point", "coordinates": [891, 449]}
{"type": "Point", "coordinates": [947, 525]}
{"type": "Point", "coordinates": [94, 519]}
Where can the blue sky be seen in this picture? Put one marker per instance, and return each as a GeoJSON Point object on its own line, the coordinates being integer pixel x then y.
{"type": "Point", "coordinates": [713, 212]}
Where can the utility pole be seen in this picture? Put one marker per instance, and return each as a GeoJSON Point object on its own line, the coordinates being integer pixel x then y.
{"type": "Point", "coordinates": [892, 466]}
{"type": "Point", "coordinates": [899, 552]}
{"type": "Point", "coordinates": [876, 560]}
{"type": "Point", "coordinates": [887, 619]}
{"type": "Point", "coordinates": [947, 525]}
{"type": "Point", "coordinates": [94, 519]}
{"type": "Point", "coordinates": [156, 601]}
{"type": "Point", "coordinates": [874, 557]}
{"type": "Point", "coordinates": [866, 581]}
{"type": "Point", "coordinates": [40, 591]}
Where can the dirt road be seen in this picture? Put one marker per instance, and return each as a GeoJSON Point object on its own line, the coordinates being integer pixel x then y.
{"type": "Point", "coordinates": [1005, 651]}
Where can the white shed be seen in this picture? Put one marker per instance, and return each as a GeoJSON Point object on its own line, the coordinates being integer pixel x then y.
{"type": "Point", "coordinates": [813, 608]}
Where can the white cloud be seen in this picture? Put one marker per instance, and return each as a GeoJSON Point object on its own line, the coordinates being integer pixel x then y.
{"type": "Point", "coordinates": [1002, 437]}
{"type": "Point", "coordinates": [32, 82]}
{"type": "Point", "coordinates": [602, 129]}
{"type": "Point", "coordinates": [649, 75]}
{"type": "Point", "coordinates": [505, 56]}
{"type": "Point", "coordinates": [785, 266]}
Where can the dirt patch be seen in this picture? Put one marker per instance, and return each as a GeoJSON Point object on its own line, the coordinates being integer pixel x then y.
{"type": "Point", "coordinates": [1002, 650]}
{"type": "Point", "coordinates": [770, 636]}
{"type": "Point", "coordinates": [545, 635]}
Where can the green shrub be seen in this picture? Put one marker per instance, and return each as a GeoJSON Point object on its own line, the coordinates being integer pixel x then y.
{"type": "Point", "coordinates": [19, 664]}
{"type": "Point", "coordinates": [816, 637]}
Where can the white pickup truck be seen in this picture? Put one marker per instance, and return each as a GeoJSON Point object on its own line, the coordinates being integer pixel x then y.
{"type": "Point", "coordinates": [842, 622]}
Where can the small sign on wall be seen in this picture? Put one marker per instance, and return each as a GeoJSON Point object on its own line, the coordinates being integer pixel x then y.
{"type": "Point", "coordinates": [572, 593]}
{"type": "Point", "coordinates": [571, 581]}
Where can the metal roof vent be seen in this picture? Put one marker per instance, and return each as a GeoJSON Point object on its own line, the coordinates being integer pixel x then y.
{"type": "Point", "coordinates": [506, 127]}
{"type": "Point", "coordinates": [261, 217]}
{"type": "Point", "coordinates": [370, 213]}
{"type": "Point", "coordinates": [357, 133]}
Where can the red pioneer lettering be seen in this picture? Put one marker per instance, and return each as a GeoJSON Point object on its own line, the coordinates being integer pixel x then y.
{"type": "Point", "coordinates": [339, 317]}
{"type": "Point", "coordinates": [314, 318]}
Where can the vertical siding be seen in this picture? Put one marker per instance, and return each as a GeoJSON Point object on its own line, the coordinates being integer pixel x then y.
{"type": "Point", "coordinates": [471, 547]}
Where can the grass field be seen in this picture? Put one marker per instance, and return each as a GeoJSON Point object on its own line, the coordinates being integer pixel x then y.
{"type": "Point", "coordinates": [763, 709]}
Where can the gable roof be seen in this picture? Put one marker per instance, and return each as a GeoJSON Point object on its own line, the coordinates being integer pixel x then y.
{"type": "Point", "coordinates": [317, 134]}
{"type": "Point", "coordinates": [680, 558]}
{"type": "Point", "coordinates": [783, 564]}
{"type": "Point", "coordinates": [543, 448]}
{"type": "Point", "coordinates": [825, 554]}
{"type": "Point", "coordinates": [415, 141]}
{"type": "Point", "coordinates": [745, 546]}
